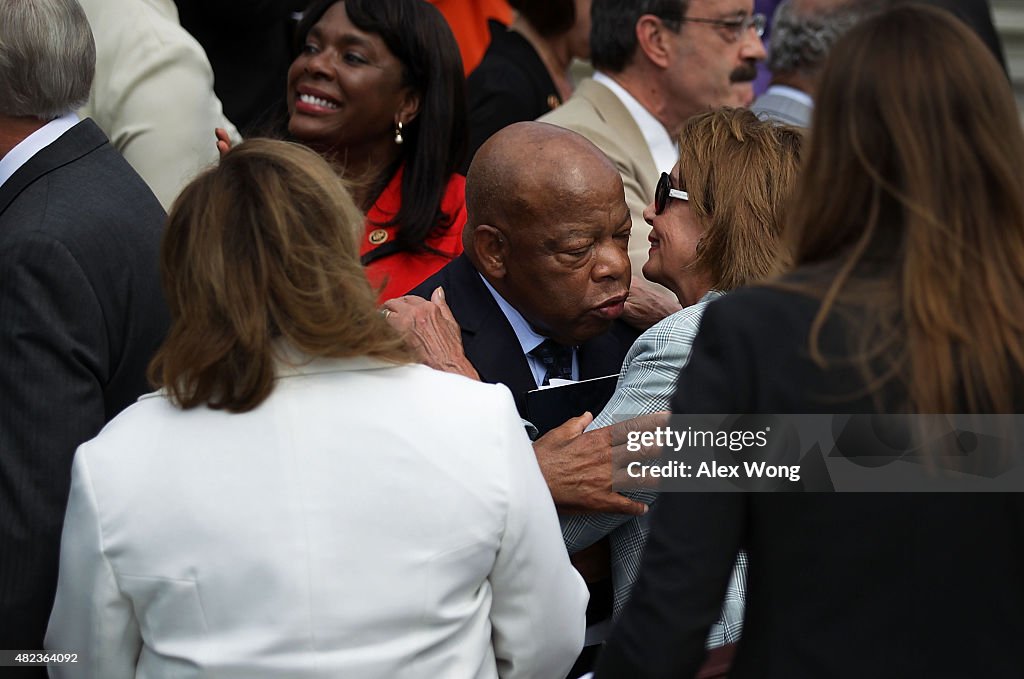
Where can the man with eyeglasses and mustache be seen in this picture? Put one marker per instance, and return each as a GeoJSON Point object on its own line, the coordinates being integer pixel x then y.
{"type": "Point", "coordinates": [657, 63]}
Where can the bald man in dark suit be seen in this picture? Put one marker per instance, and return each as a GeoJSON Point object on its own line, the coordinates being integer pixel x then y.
{"type": "Point", "coordinates": [545, 259]}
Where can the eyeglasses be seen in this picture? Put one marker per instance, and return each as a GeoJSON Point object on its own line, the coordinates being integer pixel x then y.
{"type": "Point", "coordinates": [736, 27]}
{"type": "Point", "coordinates": [664, 191]}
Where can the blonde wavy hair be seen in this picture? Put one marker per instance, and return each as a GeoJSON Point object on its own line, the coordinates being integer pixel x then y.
{"type": "Point", "coordinates": [740, 172]}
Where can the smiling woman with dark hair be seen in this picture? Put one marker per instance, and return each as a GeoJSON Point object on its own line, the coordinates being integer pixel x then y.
{"type": "Point", "coordinates": [378, 88]}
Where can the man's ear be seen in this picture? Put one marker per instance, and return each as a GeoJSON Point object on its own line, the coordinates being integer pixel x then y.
{"type": "Point", "coordinates": [409, 108]}
{"type": "Point", "coordinates": [653, 39]}
{"type": "Point", "coordinates": [491, 248]}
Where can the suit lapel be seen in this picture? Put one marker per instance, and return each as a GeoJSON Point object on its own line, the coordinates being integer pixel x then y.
{"type": "Point", "coordinates": [488, 339]}
{"type": "Point", "coordinates": [81, 139]}
{"type": "Point", "coordinates": [491, 345]}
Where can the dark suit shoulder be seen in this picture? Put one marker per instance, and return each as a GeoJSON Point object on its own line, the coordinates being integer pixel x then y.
{"type": "Point", "coordinates": [456, 274]}
{"type": "Point", "coordinates": [777, 319]}
{"type": "Point", "coordinates": [77, 189]}
{"type": "Point", "coordinates": [80, 197]}
{"type": "Point", "coordinates": [754, 353]}
{"type": "Point", "coordinates": [511, 67]}
{"type": "Point", "coordinates": [754, 315]}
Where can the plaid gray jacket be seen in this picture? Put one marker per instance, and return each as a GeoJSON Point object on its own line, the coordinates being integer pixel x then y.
{"type": "Point", "coordinates": [646, 384]}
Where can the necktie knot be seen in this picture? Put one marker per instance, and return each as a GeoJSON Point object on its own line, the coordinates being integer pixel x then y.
{"type": "Point", "coordinates": [556, 358]}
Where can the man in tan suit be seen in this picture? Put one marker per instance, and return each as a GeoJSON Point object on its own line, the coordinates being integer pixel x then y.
{"type": "Point", "coordinates": [657, 63]}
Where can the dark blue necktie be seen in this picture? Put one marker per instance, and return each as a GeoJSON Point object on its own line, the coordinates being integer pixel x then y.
{"type": "Point", "coordinates": [557, 360]}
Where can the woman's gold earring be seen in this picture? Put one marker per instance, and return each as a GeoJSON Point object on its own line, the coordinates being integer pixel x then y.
{"type": "Point", "coordinates": [398, 132]}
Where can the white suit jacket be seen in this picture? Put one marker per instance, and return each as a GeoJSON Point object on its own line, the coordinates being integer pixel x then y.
{"type": "Point", "coordinates": [366, 520]}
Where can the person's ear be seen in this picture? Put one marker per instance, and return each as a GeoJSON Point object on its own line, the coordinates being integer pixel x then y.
{"type": "Point", "coordinates": [653, 38]}
{"type": "Point", "coordinates": [409, 107]}
{"type": "Point", "coordinates": [491, 248]}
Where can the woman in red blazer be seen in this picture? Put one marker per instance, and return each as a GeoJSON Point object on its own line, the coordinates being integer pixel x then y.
{"type": "Point", "coordinates": [378, 88]}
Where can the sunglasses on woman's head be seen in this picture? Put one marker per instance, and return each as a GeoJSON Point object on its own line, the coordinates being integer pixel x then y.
{"type": "Point", "coordinates": [664, 191]}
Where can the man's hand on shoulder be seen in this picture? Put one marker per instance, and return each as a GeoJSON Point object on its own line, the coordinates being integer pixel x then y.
{"type": "Point", "coordinates": [580, 466]}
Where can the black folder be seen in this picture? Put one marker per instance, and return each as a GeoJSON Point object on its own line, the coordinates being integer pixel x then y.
{"type": "Point", "coordinates": [550, 407]}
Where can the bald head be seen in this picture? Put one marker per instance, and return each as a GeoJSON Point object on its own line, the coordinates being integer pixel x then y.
{"type": "Point", "coordinates": [548, 228]}
{"type": "Point", "coordinates": [529, 173]}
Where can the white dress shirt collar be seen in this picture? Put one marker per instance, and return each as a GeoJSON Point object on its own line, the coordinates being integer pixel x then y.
{"type": "Point", "coordinates": [528, 338]}
{"type": "Point", "coordinates": [33, 144]}
{"type": "Point", "coordinates": [663, 149]}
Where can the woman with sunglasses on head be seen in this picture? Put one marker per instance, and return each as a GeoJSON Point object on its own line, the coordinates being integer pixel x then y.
{"type": "Point", "coordinates": [716, 225]}
{"type": "Point", "coordinates": [906, 297]}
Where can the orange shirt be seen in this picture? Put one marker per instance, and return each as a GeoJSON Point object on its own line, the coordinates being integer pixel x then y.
{"type": "Point", "coordinates": [402, 271]}
{"type": "Point", "coordinates": [468, 21]}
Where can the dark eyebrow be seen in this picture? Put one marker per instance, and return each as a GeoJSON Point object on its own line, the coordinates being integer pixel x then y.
{"type": "Point", "coordinates": [346, 39]}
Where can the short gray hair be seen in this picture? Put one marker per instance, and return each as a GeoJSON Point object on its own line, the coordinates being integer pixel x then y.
{"type": "Point", "coordinates": [801, 42]}
{"type": "Point", "coordinates": [47, 58]}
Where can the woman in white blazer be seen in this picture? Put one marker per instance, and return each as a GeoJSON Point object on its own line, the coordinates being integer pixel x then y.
{"type": "Point", "coordinates": [298, 501]}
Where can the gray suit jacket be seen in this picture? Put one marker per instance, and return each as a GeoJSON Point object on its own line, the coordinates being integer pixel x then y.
{"type": "Point", "coordinates": [778, 107]}
{"type": "Point", "coordinates": [81, 314]}
{"type": "Point", "coordinates": [646, 384]}
{"type": "Point", "coordinates": [596, 113]}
